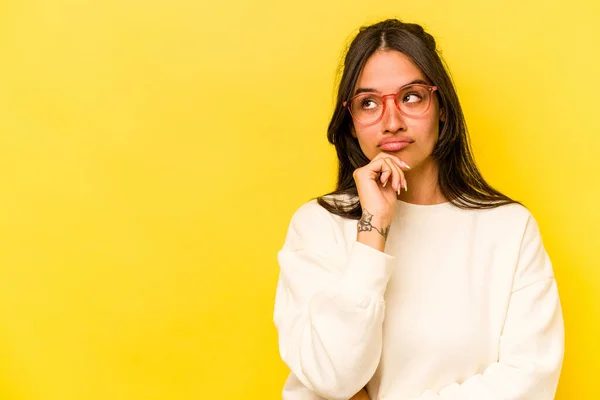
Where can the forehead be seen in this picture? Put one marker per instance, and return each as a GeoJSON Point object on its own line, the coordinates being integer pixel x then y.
{"type": "Point", "coordinates": [388, 70]}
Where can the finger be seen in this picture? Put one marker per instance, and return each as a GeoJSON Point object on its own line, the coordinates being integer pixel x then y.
{"type": "Point", "coordinates": [399, 162]}
{"type": "Point", "coordinates": [401, 177]}
{"type": "Point", "coordinates": [374, 170]}
{"type": "Point", "coordinates": [385, 175]}
{"type": "Point", "coordinates": [396, 179]}
{"type": "Point", "coordinates": [396, 159]}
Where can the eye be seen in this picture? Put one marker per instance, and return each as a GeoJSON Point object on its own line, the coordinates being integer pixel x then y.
{"type": "Point", "coordinates": [368, 103]}
{"type": "Point", "coordinates": [411, 98]}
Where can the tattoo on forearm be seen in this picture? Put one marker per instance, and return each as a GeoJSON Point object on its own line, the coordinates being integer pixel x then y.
{"type": "Point", "coordinates": [364, 224]}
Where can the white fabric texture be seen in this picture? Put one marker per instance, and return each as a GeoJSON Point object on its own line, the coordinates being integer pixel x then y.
{"type": "Point", "coordinates": [462, 304]}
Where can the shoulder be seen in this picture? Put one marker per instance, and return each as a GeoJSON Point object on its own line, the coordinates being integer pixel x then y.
{"type": "Point", "coordinates": [311, 225]}
{"type": "Point", "coordinates": [508, 216]}
{"type": "Point", "coordinates": [517, 231]}
{"type": "Point", "coordinates": [513, 224]}
{"type": "Point", "coordinates": [309, 213]}
{"type": "Point", "coordinates": [312, 211]}
{"type": "Point", "coordinates": [510, 212]}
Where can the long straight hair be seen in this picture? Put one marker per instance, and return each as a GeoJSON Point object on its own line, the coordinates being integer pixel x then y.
{"type": "Point", "coordinates": [458, 177]}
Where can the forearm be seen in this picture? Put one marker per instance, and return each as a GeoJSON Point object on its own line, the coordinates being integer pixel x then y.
{"type": "Point", "coordinates": [331, 338]}
{"type": "Point", "coordinates": [329, 306]}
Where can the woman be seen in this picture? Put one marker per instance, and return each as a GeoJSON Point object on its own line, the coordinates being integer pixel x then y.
{"type": "Point", "coordinates": [442, 289]}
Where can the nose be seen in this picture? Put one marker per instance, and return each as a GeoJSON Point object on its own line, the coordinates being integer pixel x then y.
{"type": "Point", "coordinates": [392, 119]}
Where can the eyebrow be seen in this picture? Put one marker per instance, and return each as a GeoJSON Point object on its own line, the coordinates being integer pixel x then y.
{"type": "Point", "coordinates": [370, 90]}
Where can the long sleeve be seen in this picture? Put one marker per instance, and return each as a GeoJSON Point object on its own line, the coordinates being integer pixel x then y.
{"type": "Point", "coordinates": [329, 305]}
{"type": "Point", "coordinates": [532, 341]}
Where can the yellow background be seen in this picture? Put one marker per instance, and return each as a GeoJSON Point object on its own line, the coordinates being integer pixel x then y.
{"type": "Point", "coordinates": [152, 153]}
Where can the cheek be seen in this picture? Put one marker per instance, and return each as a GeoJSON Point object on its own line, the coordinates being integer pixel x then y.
{"type": "Point", "coordinates": [433, 130]}
{"type": "Point", "coordinates": [429, 131]}
{"type": "Point", "coordinates": [367, 139]}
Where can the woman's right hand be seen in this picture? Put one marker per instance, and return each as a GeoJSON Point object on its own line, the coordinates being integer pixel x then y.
{"type": "Point", "coordinates": [379, 184]}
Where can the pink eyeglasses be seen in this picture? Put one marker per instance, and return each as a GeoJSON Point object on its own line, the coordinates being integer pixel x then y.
{"type": "Point", "coordinates": [411, 100]}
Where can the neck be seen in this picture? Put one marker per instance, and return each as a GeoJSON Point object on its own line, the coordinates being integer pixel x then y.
{"type": "Point", "coordinates": [422, 182]}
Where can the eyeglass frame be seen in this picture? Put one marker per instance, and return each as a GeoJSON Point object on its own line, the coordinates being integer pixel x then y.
{"type": "Point", "coordinates": [431, 88]}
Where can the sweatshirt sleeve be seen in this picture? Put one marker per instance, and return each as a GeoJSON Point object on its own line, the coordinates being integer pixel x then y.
{"type": "Point", "coordinates": [532, 341]}
{"type": "Point", "coordinates": [329, 305]}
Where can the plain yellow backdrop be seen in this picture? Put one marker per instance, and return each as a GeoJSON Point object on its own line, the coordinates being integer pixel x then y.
{"type": "Point", "coordinates": [152, 153]}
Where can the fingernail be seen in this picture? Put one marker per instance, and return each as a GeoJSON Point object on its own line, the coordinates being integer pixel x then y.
{"type": "Point", "coordinates": [384, 183]}
{"type": "Point", "coordinates": [406, 165]}
{"type": "Point", "coordinates": [405, 185]}
{"type": "Point", "coordinates": [399, 191]}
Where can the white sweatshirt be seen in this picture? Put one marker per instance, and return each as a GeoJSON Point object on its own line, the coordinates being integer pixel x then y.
{"type": "Point", "coordinates": [462, 304]}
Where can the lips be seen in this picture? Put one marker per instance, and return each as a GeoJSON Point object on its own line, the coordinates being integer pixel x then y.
{"type": "Point", "coordinates": [395, 144]}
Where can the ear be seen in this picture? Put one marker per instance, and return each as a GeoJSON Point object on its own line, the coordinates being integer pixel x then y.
{"type": "Point", "coordinates": [442, 114]}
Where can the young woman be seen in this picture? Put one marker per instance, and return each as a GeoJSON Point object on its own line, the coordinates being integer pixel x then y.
{"type": "Point", "coordinates": [442, 289]}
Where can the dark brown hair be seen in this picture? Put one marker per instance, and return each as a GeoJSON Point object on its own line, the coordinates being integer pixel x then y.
{"type": "Point", "coordinates": [459, 179]}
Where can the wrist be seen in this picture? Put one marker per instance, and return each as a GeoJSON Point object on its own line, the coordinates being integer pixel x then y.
{"type": "Point", "coordinates": [372, 230]}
